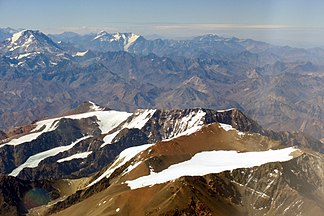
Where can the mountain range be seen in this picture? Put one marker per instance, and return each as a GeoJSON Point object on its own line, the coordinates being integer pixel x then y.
{"type": "Point", "coordinates": [96, 161]}
{"type": "Point", "coordinates": [43, 75]}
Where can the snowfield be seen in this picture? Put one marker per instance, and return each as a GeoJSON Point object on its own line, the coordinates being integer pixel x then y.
{"type": "Point", "coordinates": [207, 162]}
{"type": "Point", "coordinates": [82, 155]}
{"type": "Point", "coordinates": [34, 160]}
{"type": "Point", "coordinates": [80, 54]}
{"type": "Point", "coordinates": [140, 119]}
{"type": "Point", "coordinates": [48, 126]}
{"type": "Point", "coordinates": [185, 133]}
{"type": "Point", "coordinates": [186, 125]}
{"type": "Point", "coordinates": [228, 127]}
{"type": "Point", "coordinates": [107, 120]}
{"type": "Point", "coordinates": [123, 158]}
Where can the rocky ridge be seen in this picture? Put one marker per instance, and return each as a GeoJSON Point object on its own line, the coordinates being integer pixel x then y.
{"type": "Point", "coordinates": [208, 71]}
{"type": "Point", "coordinates": [105, 150]}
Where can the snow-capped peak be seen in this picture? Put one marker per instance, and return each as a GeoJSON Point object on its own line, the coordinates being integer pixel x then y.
{"type": "Point", "coordinates": [100, 34]}
{"type": "Point", "coordinates": [26, 34]}
{"type": "Point", "coordinates": [125, 40]}
{"type": "Point", "coordinates": [22, 39]}
{"type": "Point", "coordinates": [27, 41]}
{"type": "Point", "coordinates": [131, 40]}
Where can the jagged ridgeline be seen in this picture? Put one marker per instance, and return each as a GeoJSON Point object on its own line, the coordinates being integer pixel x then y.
{"type": "Point", "coordinates": [97, 161]}
{"type": "Point", "coordinates": [42, 75]}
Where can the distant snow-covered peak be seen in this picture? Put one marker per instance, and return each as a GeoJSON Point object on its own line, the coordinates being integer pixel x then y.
{"type": "Point", "coordinates": [131, 40]}
{"type": "Point", "coordinates": [26, 34]}
{"type": "Point", "coordinates": [209, 37]}
{"type": "Point", "coordinates": [125, 40]}
{"type": "Point", "coordinates": [100, 34]}
{"type": "Point", "coordinates": [22, 39]}
{"type": "Point", "coordinates": [30, 45]}
{"type": "Point", "coordinates": [29, 41]}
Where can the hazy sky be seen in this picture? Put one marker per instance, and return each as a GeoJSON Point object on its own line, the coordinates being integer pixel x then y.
{"type": "Point", "coordinates": [292, 22]}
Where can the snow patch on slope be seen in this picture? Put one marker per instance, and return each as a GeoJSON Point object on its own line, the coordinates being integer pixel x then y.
{"type": "Point", "coordinates": [107, 120]}
{"type": "Point", "coordinates": [82, 155]}
{"type": "Point", "coordinates": [27, 55]}
{"type": "Point", "coordinates": [48, 126]}
{"type": "Point", "coordinates": [186, 132]}
{"type": "Point", "coordinates": [138, 121]}
{"type": "Point", "coordinates": [131, 40]}
{"type": "Point", "coordinates": [141, 118]}
{"type": "Point", "coordinates": [228, 127]}
{"type": "Point", "coordinates": [226, 110]}
{"type": "Point", "coordinates": [80, 54]}
{"type": "Point", "coordinates": [34, 160]}
{"type": "Point", "coordinates": [15, 37]}
{"type": "Point", "coordinates": [122, 159]}
{"type": "Point", "coordinates": [109, 138]}
{"type": "Point", "coordinates": [27, 42]}
{"type": "Point", "coordinates": [187, 125]}
{"type": "Point", "coordinates": [95, 107]}
{"type": "Point", "coordinates": [207, 162]}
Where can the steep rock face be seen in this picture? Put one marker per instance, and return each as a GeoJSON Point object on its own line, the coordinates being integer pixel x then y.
{"type": "Point", "coordinates": [168, 123]}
